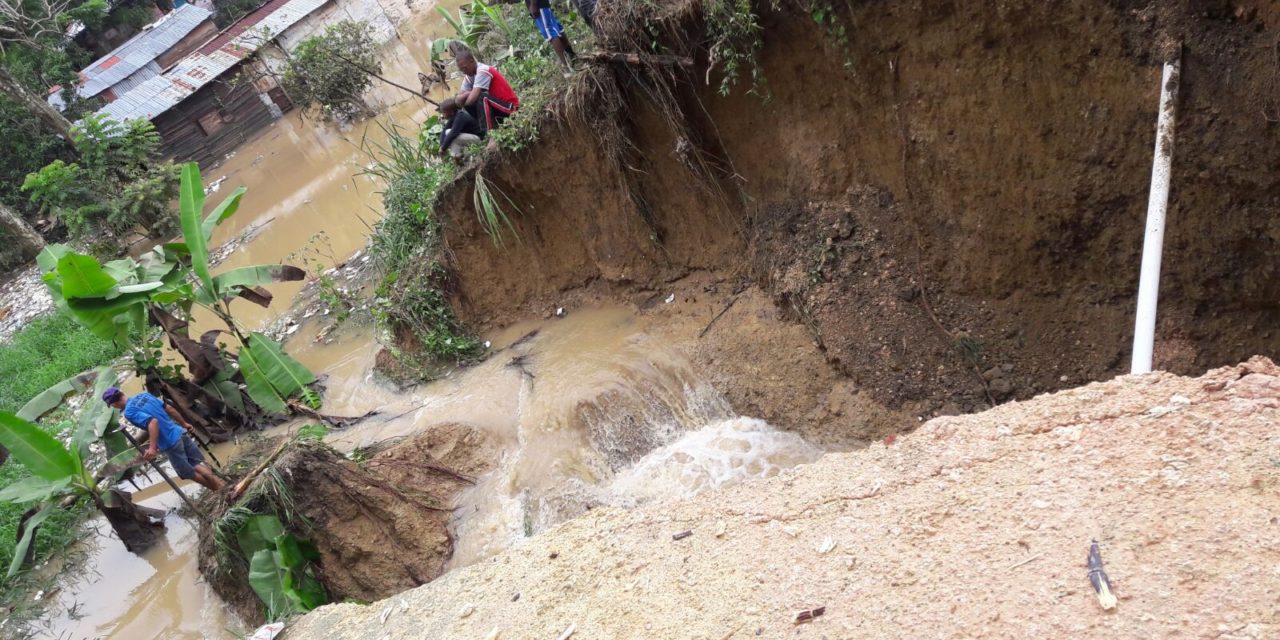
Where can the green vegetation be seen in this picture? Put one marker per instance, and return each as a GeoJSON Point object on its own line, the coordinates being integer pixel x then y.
{"type": "Point", "coordinates": [413, 299]}
{"type": "Point", "coordinates": [259, 534]}
{"type": "Point", "coordinates": [61, 475]}
{"type": "Point", "coordinates": [60, 529]}
{"type": "Point", "coordinates": [115, 300]}
{"type": "Point", "coordinates": [734, 31]}
{"type": "Point", "coordinates": [331, 71]}
{"type": "Point", "coordinates": [47, 351]}
{"type": "Point", "coordinates": [407, 246]}
{"type": "Point", "coordinates": [226, 12]}
{"type": "Point", "coordinates": [281, 567]}
{"type": "Point", "coordinates": [116, 185]}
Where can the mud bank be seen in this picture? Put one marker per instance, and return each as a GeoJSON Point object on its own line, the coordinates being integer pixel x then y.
{"type": "Point", "coordinates": [380, 525]}
{"type": "Point", "coordinates": [971, 525]}
{"type": "Point", "coordinates": [952, 205]}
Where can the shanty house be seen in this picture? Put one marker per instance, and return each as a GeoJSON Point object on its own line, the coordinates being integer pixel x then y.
{"type": "Point", "coordinates": [214, 98]}
{"type": "Point", "coordinates": [147, 54]}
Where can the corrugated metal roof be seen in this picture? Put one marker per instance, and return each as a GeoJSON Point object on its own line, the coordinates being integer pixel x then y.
{"type": "Point", "coordinates": [161, 93]}
{"type": "Point", "coordinates": [140, 50]}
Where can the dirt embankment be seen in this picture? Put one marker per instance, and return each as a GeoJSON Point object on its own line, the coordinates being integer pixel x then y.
{"type": "Point", "coordinates": [953, 205]}
{"type": "Point", "coordinates": [974, 525]}
{"type": "Point", "coordinates": [380, 525]}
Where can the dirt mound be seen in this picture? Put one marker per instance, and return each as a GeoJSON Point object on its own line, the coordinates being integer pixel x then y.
{"type": "Point", "coordinates": [977, 525]}
{"type": "Point", "coordinates": [958, 206]}
{"type": "Point", "coordinates": [380, 525]}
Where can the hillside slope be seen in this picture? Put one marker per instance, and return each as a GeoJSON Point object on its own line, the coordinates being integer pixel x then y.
{"type": "Point", "coordinates": [969, 526]}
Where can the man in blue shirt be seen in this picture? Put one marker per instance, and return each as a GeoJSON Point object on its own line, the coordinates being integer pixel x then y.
{"type": "Point", "coordinates": [161, 423]}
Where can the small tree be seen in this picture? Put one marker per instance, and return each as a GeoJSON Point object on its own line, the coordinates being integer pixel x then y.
{"type": "Point", "coordinates": [332, 71]}
{"type": "Point", "coordinates": [116, 185]}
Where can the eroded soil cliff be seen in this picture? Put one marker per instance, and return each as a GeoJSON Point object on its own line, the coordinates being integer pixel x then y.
{"type": "Point", "coordinates": [976, 525]}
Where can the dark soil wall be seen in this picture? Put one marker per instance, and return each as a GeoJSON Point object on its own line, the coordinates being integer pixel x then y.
{"type": "Point", "coordinates": [966, 196]}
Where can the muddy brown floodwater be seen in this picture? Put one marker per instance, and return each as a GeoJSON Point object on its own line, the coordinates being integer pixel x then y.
{"type": "Point", "coordinates": [596, 408]}
{"type": "Point", "coordinates": [303, 180]}
{"type": "Point", "coordinates": [599, 408]}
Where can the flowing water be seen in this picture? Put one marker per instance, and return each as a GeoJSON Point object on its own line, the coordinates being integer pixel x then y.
{"type": "Point", "coordinates": [592, 409]}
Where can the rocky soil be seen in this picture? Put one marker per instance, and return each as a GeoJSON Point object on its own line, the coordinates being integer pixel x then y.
{"type": "Point", "coordinates": [974, 526]}
{"type": "Point", "coordinates": [22, 299]}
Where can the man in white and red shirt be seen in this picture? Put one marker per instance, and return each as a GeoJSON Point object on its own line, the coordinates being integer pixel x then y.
{"type": "Point", "coordinates": [485, 93]}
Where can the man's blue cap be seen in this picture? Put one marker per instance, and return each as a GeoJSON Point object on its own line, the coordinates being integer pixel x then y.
{"type": "Point", "coordinates": [111, 394]}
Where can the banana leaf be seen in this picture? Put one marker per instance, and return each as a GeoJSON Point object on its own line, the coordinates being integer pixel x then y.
{"type": "Point", "coordinates": [108, 319]}
{"type": "Point", "coordinates": [38, 451]}
{"type": "Point", "coordinates": [123, 270]}
{"type": "Point", "coordinates": [190, 208]}
{"type": "Point", "coordinates": [83, 277]}
{"type": "Point", "coordinates": [280, 567]}
{"type": "Point", "coordinates": [258, 386]}
{"type": "Point", "coordinates": [272, 376]}
{"type": "Point", "coordinates": [227, 284]}
{"type": "Point", "coordinates": [28, 534]}
{"type": "Point", "coordinates": [49, 256]}
{"type": "Point", "coordinates": [267, 580]}
{"type": "Point", "coordinates": [95, 415]}
{"type": "Point", "coordinates": [33, 489]}
{"type": "Point", "coordinates": [54, 396]}
{"type": "Point", "coordinates": [258, 533]}
{"type": "Point", "coordinates": [223, 211]}
{"type": "Point", "coordinates": [226, 391]}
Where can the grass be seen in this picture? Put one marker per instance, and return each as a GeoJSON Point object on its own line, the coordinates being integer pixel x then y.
{"type": "Point", "coordinates": [45, 352]}
{"type": "Point", "coordinates": [409, 251]}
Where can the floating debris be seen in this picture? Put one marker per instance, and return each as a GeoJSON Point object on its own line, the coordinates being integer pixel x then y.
{"type": "Point", "coordinates": [267, 631]}
{"type": "Point", "coordinates": [1098, 578]}
{"type": "Point", "coordinates": [808, 615]}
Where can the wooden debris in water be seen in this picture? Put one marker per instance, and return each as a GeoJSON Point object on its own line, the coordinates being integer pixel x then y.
{"type": "Point", "coordinates": [682, 535]}
{"type": "Point", "coordinates": [1098, 578]}
{"type": "Point", "coordinates": [262, 466]}
{"type": "Point", "coordinates": [808, 615]}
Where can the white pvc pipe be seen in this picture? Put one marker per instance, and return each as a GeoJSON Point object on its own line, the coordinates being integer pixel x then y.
{"type": "Point", "coordinates": [1144, 326]}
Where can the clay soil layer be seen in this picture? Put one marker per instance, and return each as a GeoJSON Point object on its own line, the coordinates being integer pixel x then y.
{"type": "Point", "coordinates": [952, 204]}
{"type": "Point", "coordinates": [975, 526]}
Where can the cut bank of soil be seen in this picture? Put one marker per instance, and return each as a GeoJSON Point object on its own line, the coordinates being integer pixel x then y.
{"type": "Point", "coordinates": [381, 526]}
{"type": "Point", "coordinates": [990, 165]}
{"type": "Point", "coordinates": [970, 526]}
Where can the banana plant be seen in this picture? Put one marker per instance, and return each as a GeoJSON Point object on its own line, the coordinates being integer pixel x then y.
{"type": "Point", "coordinates": [119, 300]}
{"type": "Point", "coordinates": [96, 420]}
{"type": "Point", "coordinates": [281, 569]}
{"type": "Point", "coordinates": [474, 21]}
{"type": "Point", "coordinates": [60, 476]}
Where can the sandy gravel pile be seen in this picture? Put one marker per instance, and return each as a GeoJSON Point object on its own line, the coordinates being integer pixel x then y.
{"type": "Point", "coordinates": [974, 526]}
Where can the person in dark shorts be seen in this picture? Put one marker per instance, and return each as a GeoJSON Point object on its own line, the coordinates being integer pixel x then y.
{"type": "Point", "coordinates": [460, 129]}
{"type": "Point", "coordinates": [161, 422]}
{"type": "Point", "coordinates": [545, 19]}
{"type": "Point", "coordinates": [486, 95]}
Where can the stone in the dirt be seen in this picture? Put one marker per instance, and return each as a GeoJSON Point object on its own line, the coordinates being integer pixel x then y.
{"type": "Point", "coordinates": [1001, 388]}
